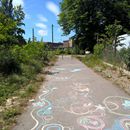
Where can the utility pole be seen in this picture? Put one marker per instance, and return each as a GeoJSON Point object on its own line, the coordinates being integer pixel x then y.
{"type": "Point", "coordinates": [33, 35]}
{"type": "Point", "coordinates": [52, 33]}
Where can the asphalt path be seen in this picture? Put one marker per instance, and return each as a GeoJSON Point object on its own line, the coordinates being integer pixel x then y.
{"type": "Point", "coordinates": [74, 97]}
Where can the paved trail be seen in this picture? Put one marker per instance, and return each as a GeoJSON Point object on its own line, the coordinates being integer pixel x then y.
{"type": "Point", "coordinates": [76, 98]}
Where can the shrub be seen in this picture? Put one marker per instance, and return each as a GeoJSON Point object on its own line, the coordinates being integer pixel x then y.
{"type": "Point", "coordinates": [9, 113]}
{"type": "Point", "coordinates": [8, 62]}
{"type": "Point", "coordinates": [98, 50]}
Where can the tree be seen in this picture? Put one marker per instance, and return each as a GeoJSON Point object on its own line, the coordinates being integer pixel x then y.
{"type": "Point", "coordinates": [112, 32]}
{"type": "Point", "coordinates": [6, 8]}
{"type": "Point", "coordinates": [10, 23]}
{"type": "Point", "coordinates": [19, 17]}
{"type": "Point", "coordinates": [7, 30]}
{"type": "Point", "coordinates": [87, 18]}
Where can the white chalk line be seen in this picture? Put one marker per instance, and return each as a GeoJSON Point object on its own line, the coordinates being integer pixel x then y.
{"type": "Point", "coordinates": [45, 93]}
{"type": "Point", "coordinates": [37, 122]}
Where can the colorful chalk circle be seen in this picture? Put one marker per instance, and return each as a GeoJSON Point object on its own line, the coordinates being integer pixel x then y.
{"type": "Point", "coordinates": [53, 127]}
{"type": "Point", "coordinates": [91, 123]}
{"type": "Point", "coordinates": [118, 105]}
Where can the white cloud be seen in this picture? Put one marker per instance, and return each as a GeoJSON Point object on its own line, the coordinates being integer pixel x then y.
{"type": "Point", "coordinates": [53, 8]}
{"type": "Point", "coordinates": [43, 33]}
{"type": "Point", "coordinates": [42, 18]}
{"type": "Point", "coordinates": [18, 2]}
{"type": "Point", "coordinates": [41, 25]}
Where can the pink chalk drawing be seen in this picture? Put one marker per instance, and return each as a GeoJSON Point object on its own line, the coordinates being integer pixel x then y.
{"type": "Point", "coordinates": [91, 123]}
{"type": "Point", "coordinates": [125, 123]}
{"type": "Point", "coordinates": [48, 118]}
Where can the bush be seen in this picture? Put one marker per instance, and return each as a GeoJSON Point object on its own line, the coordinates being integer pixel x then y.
{"type": "Point", "coordinates": [98, 50]}
{"type": "Point", "coordinates": [92, 61]}
{"type": "Point", "coordinates": [8, 62]}
{"type": "Point", "coordinates": [9, 113]}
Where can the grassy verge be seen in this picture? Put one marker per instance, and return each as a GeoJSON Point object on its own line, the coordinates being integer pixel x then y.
{"type": "Point", "coordinates": [92, 61]}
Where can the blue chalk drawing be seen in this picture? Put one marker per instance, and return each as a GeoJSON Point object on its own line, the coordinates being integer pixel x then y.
{"type": "Point", "coordinates": [46, 109]}
{"type": "Point", "coordinates": [126, 104]}
{"type": "Point", "coordinates": [119, 125]}
{"type": "Point", "coordinates": [116, 126]}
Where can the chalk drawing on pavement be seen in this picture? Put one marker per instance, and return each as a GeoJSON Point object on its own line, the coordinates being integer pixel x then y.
{"type": "Point", "coordinates": [91, 123]}
{"type": "Point", "coordinates": [126, 104]}
{"type": "Point", "coordinates": [81, 87]}
{"type": "Point", "coordinates": [43, 109]}
{"type": "Point", "coordinates": [38, 104]}
{"type": "Point", "coordinates": [55, 127]}
{"type": "Point", "coordinates": [60, 69]}
{"type": "Point", "coordinates": [125, 123]}
{"type": "Point", "coordinates": [116, 105]}
{"type": "Point", "coordinates": [77, 103]}
{"type": "Point", "coordinates": [76, 70]}
{"type": "Point", "coordinates": [121, 124]}
{"type": "Point", "coordinates": [65, 78]}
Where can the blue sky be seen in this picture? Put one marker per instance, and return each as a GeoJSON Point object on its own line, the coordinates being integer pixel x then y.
{"type": "Point", "coordinates": [40, 15]}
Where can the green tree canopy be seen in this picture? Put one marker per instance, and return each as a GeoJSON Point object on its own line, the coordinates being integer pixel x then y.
{"type": "Point", "coordinates": [11, 20]}
{"type": "Point", "coordinates": [87, 18]}
{"type": "Point", "coordinates": [7, 30]}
